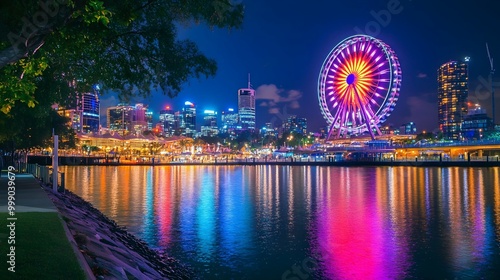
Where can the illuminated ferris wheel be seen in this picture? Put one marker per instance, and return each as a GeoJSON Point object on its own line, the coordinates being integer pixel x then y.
{"type": "Point", "coordinates": [358, 86]}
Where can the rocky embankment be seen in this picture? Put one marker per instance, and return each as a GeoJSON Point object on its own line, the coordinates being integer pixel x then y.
{"type": "Point", "coordinates": [110, 251]}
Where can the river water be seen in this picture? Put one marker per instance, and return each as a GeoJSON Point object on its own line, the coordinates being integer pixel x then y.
{"type": "Point", "coordinates": [306, 222]}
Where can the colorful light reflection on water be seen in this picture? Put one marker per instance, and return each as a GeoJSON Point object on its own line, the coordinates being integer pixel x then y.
{"type": "Point", "coordinates": [270, 222]}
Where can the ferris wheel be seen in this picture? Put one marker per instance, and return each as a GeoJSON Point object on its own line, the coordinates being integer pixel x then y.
{"type": "Point", "coordinates": [358, 86]}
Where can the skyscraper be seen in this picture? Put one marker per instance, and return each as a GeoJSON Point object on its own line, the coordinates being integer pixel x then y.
{"type": "Point", "coordinates": [452, 98]}
{"type": "Point", "coordinates": [149, 119]}
{"type": "Point", "coordinates": [83, 111]}
{"type": "Point", "coordinates": [139, 122]}
{"type": "Point", "coordinates": [120, 118]}
{"type": "Point", "coordinates": [188, 123]}
{"type": "Point", "coordinates": [246, 107]}
{"type": "Point", "coordinates": [229, 121]}
{"type": "Point", "coordinates": [209, 127]}
{"type": "Point", "coordinates": [167, 119]}
{"type": "Point", "coordinates": [90, 107]}
{"type": "Point", "coordinates": [295, 125]}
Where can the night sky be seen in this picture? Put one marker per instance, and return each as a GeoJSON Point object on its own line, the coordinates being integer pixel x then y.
{"type": "Point", "coordinates": [283, 45]}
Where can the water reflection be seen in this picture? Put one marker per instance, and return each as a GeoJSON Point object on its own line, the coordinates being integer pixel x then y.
{"type": "Point", "coordinates": [258, 222]}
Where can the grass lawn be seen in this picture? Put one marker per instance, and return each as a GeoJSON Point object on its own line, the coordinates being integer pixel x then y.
{"type": "Point", "coordinates": [42, 249]}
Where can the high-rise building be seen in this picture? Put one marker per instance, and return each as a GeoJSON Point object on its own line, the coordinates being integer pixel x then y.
{"type": "Point", "coordinates": [209, 127]}
{"type": "Point", "coordinates": [295, 125]}
{"type": "Point", "coordinates": [167, 119]}
{"type": "Point", "coordinates": [408, 129]}
{"type": "Point", "coordinates": [269, 130]}
{"type": "Point", "coordinates": [246, 107]}
{"type": "Point", "coordinates": [90, 108]}
{"type": "Point", "coordinates": [476, 124]}
{"type": "Point", "coordinates": [126, 119]}
{"type": "Point", "coordinates": [230, 121]}
{"type": "Point", "coordinates": [139, 121]}
{"type": "Point", "coordinates": [452, 98]}
{"type": "Point", "coordinates": [188, 123]}
{"type": "Point", "coordinates": [83, 111]}
{"type": "Point", "coordinates": [120, 118]}
{"type": "Point", "coordinates": [178, 123]}
{"type": "Point", "coordinates": [74, 117]}
{"type": "Point", "coordinates": [149, 119]}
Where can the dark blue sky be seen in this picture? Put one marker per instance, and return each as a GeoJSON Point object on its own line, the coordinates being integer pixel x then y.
{"type": "Point", "coordinates": [283, 45]}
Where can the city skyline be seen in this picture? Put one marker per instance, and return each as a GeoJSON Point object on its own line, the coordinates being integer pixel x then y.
{"type": "Point", "coordinates": [283, 46]}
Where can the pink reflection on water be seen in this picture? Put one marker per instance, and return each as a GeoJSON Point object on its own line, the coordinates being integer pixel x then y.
{"type": "Point", "coordinates": [164, 206]}
{"type": "Point", "coordinates": [355, 240]}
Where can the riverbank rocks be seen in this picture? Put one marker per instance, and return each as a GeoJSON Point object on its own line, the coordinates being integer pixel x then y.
{"type": "Point", "coordinates": [110, 251]}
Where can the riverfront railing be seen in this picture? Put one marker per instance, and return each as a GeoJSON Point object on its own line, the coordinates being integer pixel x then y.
{"type": "Point", "coordinates": [451, 144]}
{"type": "Point", "coordinates": [333, 159]}
{"type": "Point", "coordinates": [44, 174]}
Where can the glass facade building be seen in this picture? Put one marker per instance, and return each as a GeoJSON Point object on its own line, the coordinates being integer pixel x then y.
{"type": "Point", "coordinates": [188, 122]}
{"type": "Point", "coordinates": [120, 118]}
{"type": "Point", "coordinates": [83, 111]}
{"type": "Point", "coordinates": [476, 123]}
{"type": "Point", "coordinates": [452, 98]}
{"type": "Point", "coordinates": [230, 121]}
{"type": "Point", "coordinates": [295, 125]}
{"type": "Point", "coordinates": [209, 127]}
{"type": "Point", "coordinates": [408, 129]}
{"type": "Point", "coordinates": [167, 119]}
{"type": "Point", "coordinates": [246, 108]}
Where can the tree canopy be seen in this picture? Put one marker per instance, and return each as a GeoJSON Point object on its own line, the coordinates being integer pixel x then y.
{"type": "Point", "coordinates": [128, 46]}
{"type": "Point", "coordinates": [24, 127]}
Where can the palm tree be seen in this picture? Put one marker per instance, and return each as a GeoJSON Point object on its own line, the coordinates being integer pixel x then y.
{"type": "Point", "coordinates": [186, 143]}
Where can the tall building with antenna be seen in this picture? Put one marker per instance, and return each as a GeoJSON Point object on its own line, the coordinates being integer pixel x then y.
{"type": "Point", "coordinates": [246, 107]}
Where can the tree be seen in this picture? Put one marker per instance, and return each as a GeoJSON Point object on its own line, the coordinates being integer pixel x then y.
{"type": "Point", "coordinates": [28, 127]}
{"type": "Point", "coordinates": [186, 143]}
{"type": "Point", "coordinates": [429, 136]}
{"type": "Point", "coordinates": [128, 46]}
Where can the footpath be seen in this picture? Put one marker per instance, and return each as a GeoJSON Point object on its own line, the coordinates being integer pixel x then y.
{"type": "Point", "coordinates": [61, 236]}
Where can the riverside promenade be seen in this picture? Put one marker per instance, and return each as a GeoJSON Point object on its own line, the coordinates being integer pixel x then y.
{"type": "Point", "coordinates": [33, 242]}
{"type": "Point", "coordinates": [61, 236]}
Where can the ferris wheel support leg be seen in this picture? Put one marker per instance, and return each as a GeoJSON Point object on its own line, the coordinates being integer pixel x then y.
{"type": "Point", "coordinates": [332, 126]}
{"type": "Point", "coordinates": [365, 115]}
{"type": "Point", "coordinates": [378, 130]}
{"type": "Point", "coordinates": [342, 120]}
{"type": "Point", "coordinates": [370, 112]}
{"type": "Point", "coordinates": [370, 129]}
{"type": "Point", "coordinates": [330, 131]}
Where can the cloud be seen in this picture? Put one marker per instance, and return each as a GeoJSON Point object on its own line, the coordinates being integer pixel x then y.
{"type": "Point", "coordinates": [422, 75]}
{"type": "Point", "coordinates": [274, 110]}
{"type": "Point", "coordinates": [274, 96]}
{"type": "Point", "coordinates": [293, 95]}
{"type": "Point", "coordinates": [278, 100]}
{"type": "Point", "coordinates": [294, 104]}
{"type": "Point", "coordinates": [277, 95]}
{"type": "Point", "coordinates": [268, 92]}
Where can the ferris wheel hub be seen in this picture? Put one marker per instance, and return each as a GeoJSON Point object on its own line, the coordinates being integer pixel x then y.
{"type": "Point", "coordinates": [351, 78]}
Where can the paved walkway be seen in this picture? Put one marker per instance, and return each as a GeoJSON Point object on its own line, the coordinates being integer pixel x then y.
{"type": "Point", "coordinates": [29, 196]}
